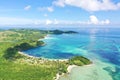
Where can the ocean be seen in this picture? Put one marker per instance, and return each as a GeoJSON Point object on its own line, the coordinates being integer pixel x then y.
{"type": "Point", "coordinates": [100, 45]}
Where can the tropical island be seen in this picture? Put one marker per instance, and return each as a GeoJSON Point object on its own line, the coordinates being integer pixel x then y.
{"type": "Point", "coordinates": [18, 66]}
{"type": "Point", "coordinates": [62, 32]}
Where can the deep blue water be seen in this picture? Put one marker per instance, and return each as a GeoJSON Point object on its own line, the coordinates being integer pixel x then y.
{"type": "Point", "coordinates": [101, 44]}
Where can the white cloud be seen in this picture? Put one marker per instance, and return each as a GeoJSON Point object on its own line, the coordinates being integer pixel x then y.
{"type": "Point", "coordinates": [118, 5]}
{"type": "Point", "coordinates": [89, 5]}
{"type": "Point", "coordinates": [94, 20]}
{"type": "Point", "coordinates": [22, 21]}
{"type": "Point", "coordinates": [48, 22]}
{"type": "Point", "coordinates": [12, 21]}
{"type": "Point", "coordinates": [50, 9]}
{"type": "Point", "coordinates": [27, 7]}
{"type": "Point", "coordinates": [59, 3]}
{"type": "Point", "coordinates": [107, 21]}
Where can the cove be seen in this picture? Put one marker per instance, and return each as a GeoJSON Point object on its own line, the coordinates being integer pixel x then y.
{"type": "Point", "coordinates": [99, 45]}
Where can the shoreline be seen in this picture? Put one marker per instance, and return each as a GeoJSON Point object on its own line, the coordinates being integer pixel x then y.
{"type": "Point", "coordinates": [69, 69]}
{"type": "Point", "coordinates": [45, 37]}
{"type": "Point", "coordinates": [61, 60]}
{"type": "Point", "coordinates": [58, 76]}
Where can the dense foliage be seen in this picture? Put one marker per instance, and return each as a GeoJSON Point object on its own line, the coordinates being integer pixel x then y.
{"type": "Point", "coordinates": [39, 43]}
{"type": "Point", "coordinates": [20, 67]}
{"type": "Point", "coordinates": [79, 60]}
{"type": "Point", "coordinates": [62, 32]}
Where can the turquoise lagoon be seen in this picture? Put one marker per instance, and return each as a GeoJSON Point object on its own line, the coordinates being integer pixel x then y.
{"type": "Point", "coordinates": [101, 46]}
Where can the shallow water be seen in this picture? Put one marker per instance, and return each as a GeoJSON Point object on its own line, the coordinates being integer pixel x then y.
{"type": "Point", "coordinates": [102, 46]}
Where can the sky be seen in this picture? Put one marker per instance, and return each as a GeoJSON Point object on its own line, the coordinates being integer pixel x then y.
{"type": "Point", "coordinates": [57, 12]}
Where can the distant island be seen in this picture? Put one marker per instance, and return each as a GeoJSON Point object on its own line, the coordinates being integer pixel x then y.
{"type": "Point", "coordinates": [26, 67]}
{"type": "Point", "coordinates": [62, 32]}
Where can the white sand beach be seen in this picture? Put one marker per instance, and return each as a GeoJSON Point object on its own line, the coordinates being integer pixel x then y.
{"type": "Point", "coordinates": [70, 67]}
{"type": "Point", "coordinates": [88, 72]}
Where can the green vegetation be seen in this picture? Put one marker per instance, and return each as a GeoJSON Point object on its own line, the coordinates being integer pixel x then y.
{"type": "Point", "coordinates": [14, 66]}
{"type": "Point", "coordinates": [61, 32]}
{"type": "Point", "coordinates": [79, 61]}
{"type": "Point", "coordinates": [11, 52]}
{"type": "Point", "coordinates": [22, 39]}
{"type": "Point", "coordinates": [39, 43]}
{"type": "Point", "coordinates": [27, 71]}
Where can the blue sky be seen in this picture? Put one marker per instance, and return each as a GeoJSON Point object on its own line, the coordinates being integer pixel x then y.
{"type": "Point", "coordinates": [48, 12]}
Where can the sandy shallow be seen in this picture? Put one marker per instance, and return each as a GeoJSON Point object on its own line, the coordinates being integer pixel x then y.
{"type": "Point", "coordinates": [70, 67]}
{"type": "Point", "coordinates": [89, 72]}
